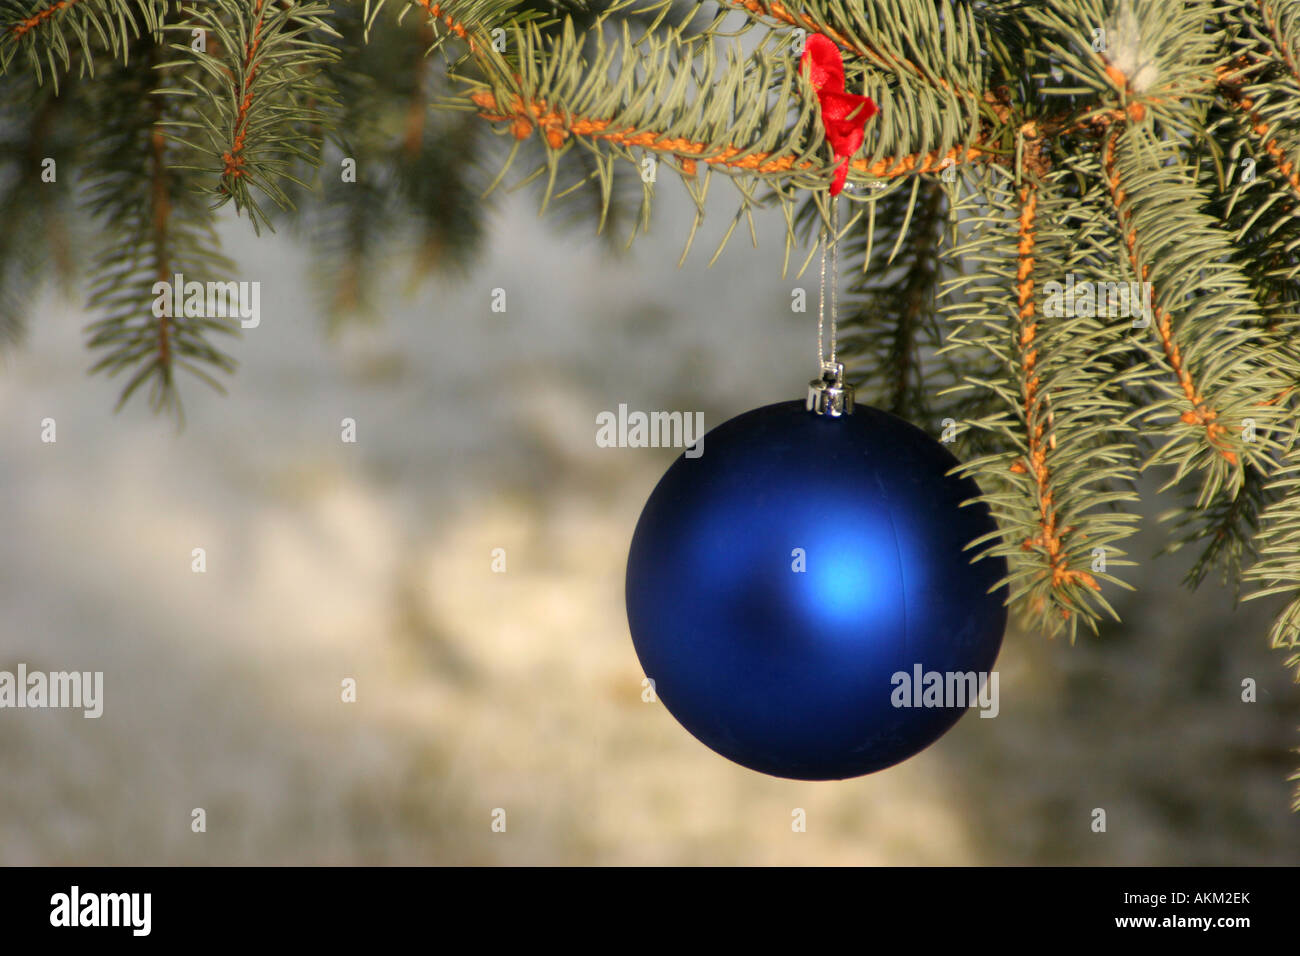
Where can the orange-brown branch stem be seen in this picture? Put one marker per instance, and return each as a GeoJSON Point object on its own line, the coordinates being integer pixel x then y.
{"type": "Point", "coordinates": [31, 23]}
{"type": "Point", "coordinates": [1288, 169]}
{"type": "Point", "coordinates": [1200, 413]}
{"type": "Point", "coordinates": [1050, 536]}
{"type": "Point", "coordinates": [525, 116]}
{"type": "Point", "coordinates": [234, 157]}
{"type": "Point", "coordinates": [436, 12]}
{"type": "Point", "coordinates": [161, 203]}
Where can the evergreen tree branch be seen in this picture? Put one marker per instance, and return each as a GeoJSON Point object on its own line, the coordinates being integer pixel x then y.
{"type": "Point", "coordinates": [1267, 135]}
{"type": "Point", "coordinates": [654, 102]}
{"type": "Point", "coordinates": [160, 228]}
{"type": "Point", "coordinates": [1038, 415]}
{"type": "Point", "coordinates": [1283, 24]}
{"type": "Point", "coordinates": [454, 26]}
{"type": "Point", "coordinates": [524, 116]}
{"type": "Point", "coordinates": [1182, 258]}
{"type": "Point", "coordinates": [40, 16]}
{"type": "Point", "coordinates": [1200, 413]}
{"type": "Point", "coordinates": [417, 179]}
{"type": "Point", "coordinates": [34, 234]}
{"type": "Point", "coordinates": [1227, 530]}
{"type": "Point", "coordinates": [1060, 456]}
{"type": "Point", "coordinates": [50, 34]}
{"type": "Point", "coordinates": [468, 20]}
{"type": "Point", "coordinates": [263, 100]}
{"type": "Point", "coordinates": [889, 328]}
{"type": "Point", "coordinates": [1261, 81]}
{"type": "Point", "coordinates": [880, 21]}
{"type": "Point", "coordinates": [1278, 569]}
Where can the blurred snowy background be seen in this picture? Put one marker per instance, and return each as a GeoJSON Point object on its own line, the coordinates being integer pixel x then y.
{"type": "Point", "coordinates": [476, 430]}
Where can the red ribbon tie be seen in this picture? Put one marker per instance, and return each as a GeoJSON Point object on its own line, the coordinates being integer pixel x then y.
{"type": "Point", "coordinates": [843, 114]}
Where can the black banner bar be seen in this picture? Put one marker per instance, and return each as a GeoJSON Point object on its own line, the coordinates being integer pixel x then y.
{"type": "Point", "coordinates": [326, 905]}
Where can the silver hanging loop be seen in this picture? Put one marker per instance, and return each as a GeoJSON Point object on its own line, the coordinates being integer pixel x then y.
{"type": "Point", "coordinates": [830, 395]}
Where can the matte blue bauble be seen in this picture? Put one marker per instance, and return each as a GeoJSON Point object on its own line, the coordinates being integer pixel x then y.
{"type": "Point", "coordinates": [790, 671]}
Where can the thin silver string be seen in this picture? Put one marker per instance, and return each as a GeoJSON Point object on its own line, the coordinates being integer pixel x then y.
{"type": "Point", "coordinates": [835, 272]}
{"type": "Point", "coordinates": [821, 306]}
{"type": "Point", "coordinates": [833, 240]}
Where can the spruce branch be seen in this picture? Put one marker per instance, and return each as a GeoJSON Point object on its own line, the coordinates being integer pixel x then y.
{"type": "Point", "coordinates": [36, 237]}
{"type": "Point", "coordinates": [1226, 530]}
{"type": "Point", "coordinates": [262, 99]}
{"type": "Point", "coordinates": [1038, 413]}
{"type": "Point", "coordinates": [416, 200]}
{"type": "Point", "coordinates": [454, 26]}
{"type": "Point", "coordinates": [1267, 133]}
{"type": "Point", "coordinates": [49, 35]}
{"type": "Point", "coordinates": [1200, 413]}
{"type": "Point", "coordinates": [1261, 81]}
{"type": "Point", "coordinates": [879, 34]}
{"type": "Point", "coordinates": [691, 115]}
{"type": "Point", "coordinates": [1061, 458]}
{"type": "Point", "coordinates": [556, 127]}
{"type": "Point", "coordinates": [1278, 569]}
{"type": "Point", "coordinates": [468, 20]}
{"type": "Point", "coordinates": [1282, 36]}
{"type": "Point", "coordinates": [1217, 381]}
{"type": "Point", "coordinates": [160, 227]}
{"type": "Point", "coordinates": [890, 330]}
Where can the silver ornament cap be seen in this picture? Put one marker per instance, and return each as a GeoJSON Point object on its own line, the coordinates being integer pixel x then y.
{"type": "Point", "coordinates": [830, 395]}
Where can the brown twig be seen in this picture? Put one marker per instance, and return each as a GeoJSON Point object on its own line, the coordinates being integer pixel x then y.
{"type": "Point", "coordinates": [524, 116]}
{"type": "Point", "coordinates": [24, 26]}
{"type": "Point", "coordinates": [418, 107]}
{"type": "Point", "coordinates": [1200, 413]}
{"type": "Point", "coordinates": [1289, 170]}
{"type": "Point", "coordinates": [161, 208]}
{"type": "Point", "coordinates": [234, 157]}
{"type": "Point", "coordinates": [450, 22]}
{"type": "Point", "coordinates": [1050, 537]}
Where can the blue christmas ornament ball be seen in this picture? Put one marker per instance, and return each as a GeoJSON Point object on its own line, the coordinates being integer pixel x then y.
{"type": "Point", "coordinates": [794, 590]}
